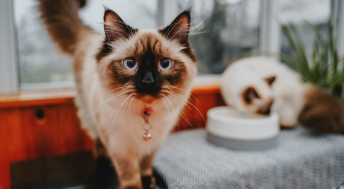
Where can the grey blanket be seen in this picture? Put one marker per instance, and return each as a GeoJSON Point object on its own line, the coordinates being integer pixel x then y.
{"type": "Point", "coordinates": [187, 160]}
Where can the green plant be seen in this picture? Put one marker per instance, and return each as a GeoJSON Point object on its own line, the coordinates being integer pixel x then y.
{"type": "Point", "coordinates": [323, 67]}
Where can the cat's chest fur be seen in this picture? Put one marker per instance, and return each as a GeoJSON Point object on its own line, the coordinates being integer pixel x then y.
{"type": "Point", "coordinates": [111, 117]}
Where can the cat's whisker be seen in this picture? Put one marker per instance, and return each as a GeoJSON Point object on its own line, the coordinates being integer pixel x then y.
{"type": "Point", "coordinates": [189, 103]}
{"type": "Point", "coordinates": [168, 100]}
{"type": "Point", "coordinates": [197, 26]}
{"type": "Point", "coordinates": [184, 115]}
{"type": "Point", "coordinates": [119, 108]}
{"type": "Point", "coordinates": [130, 104]}
{"type": "Point", "coordinates": [185, 29]}
{"type": "Point", "coordinates": [164, 101]}
{"type": "Point", "coordinates": [116, 111]}
{"type": "Point", "coordinates": [178, 99]}
{"type": "Point", "coordinates": [183, 91]}
{"type": "Point", "coordinates": [117, 88]}
{"type": "Point", "coordinates": [199, 112]}
{"type": "Point", "coordinates": [111, 98]}
{"type": "Point", "coordinates": [186, 119]}
{"type": "Point", "coordinates": [114, 97]}
{"type": "Point", "coordinates": [190, 33]}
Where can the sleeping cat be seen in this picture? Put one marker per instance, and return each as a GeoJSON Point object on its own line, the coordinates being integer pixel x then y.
{"type": "Point", "coordinates": [131, 84]}
{"type": "Point", "coordinates": [261, 84]}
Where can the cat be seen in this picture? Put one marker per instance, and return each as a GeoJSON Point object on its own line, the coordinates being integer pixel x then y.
{"type": "Point", "coordinates": [131, 84]}
{"type": "Point", "coordinates": [263, 85]}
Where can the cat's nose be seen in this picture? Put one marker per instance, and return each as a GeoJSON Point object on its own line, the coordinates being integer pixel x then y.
{"type": "Point", "coordinates": [266, 109]}
{"type": "Point", "coordinates": [148, 78]}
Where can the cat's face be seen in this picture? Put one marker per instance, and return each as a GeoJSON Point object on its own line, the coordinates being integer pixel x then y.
{"type": "Point", "coordinates": [147, 64]}
{"type": "Point", "coordinates": [258, 97]}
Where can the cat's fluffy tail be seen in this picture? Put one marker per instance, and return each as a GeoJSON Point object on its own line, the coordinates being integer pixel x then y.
{"type": "Point", "coordinates": [61, 19]}
{"type": "Point", "coordinates": [322, 112]}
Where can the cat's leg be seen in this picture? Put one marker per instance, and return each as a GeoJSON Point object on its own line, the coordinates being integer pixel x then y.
{"type": "Point", "coordinates": [287, 114]}
{"type": "Point", "coordinates": [288, 117]}
{"type": "Point", "coordinates": [85, 119]}
{"type": "Point", "coordinates": [128, 170]}
{"type": "Point", "coordinates": [146, 167]}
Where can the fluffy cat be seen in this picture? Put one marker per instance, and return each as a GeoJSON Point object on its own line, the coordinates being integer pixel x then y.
{"type": "Point", "coordinates": [262, 84]}
{"type": "Point", "coordinates": [129, 82]}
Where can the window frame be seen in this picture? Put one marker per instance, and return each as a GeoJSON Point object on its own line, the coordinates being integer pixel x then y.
{"type": "Point", "coordinates": [269, 36]}
{"type": "Point", "coordinates": [270, 29]}
{"type": "Point", "coordinates": [9, 80]}
{"type": "Point", "coordinates": [337, 18]}
{"type": "Point", "coordinates": [167, 10]}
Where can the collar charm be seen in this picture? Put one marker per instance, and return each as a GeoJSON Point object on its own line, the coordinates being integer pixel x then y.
{"type": "Point", "coordinates": [147, 136]}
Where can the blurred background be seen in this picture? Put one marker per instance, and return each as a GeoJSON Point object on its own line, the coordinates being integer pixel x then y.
{"type": "Point", "coordinates": [222, 31]}
{"type": "Point", "coordinates": [41, 141]}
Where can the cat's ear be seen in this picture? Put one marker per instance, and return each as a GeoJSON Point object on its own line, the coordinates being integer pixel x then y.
{"type": "Point", "coordinates": [270, 80]}
{"type": "Point", "coordinates": [115, 28]}
{"type": "Point", "coordinates": [178, 29]}
{"type": "Point", "coordinates": [249, 94]}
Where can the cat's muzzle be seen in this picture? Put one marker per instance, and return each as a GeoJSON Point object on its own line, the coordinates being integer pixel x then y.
{"type": "Point", "coordinates": [266, 108]}
{"type": "Point", "coordinates": [149, 84]}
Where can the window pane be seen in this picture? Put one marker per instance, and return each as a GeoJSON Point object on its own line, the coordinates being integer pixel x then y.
{"type": "Point", "coordinates": [298, 12]}
{"type": "Point", "coordinates": [225, 30]}
{"type": "Point", "coordinates": [41, 64]}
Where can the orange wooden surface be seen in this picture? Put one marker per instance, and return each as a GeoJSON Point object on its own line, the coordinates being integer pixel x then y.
{"type": "Point", "coordinates": [25, 136]}
{"type": "Point", "coordinates": [37, 98]}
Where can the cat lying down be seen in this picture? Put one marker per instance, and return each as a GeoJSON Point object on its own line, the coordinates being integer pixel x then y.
{"type": "Point", "coordinates": [261, 84]}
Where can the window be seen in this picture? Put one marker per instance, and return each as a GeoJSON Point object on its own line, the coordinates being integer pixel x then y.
{"type": "Point", "coordinates": [222, 30]}
{"type": "Point", "coordinates": [41, 65]}
{"type": "Point", "coordinates": [299, 13]}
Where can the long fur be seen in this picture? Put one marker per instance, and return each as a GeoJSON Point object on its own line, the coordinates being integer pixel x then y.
{"type": "Point", "coordinates": [322, 112]}
{"type": "Point", "coordinates": [61, 19]}
{"type": "Point", "coordinates": [260, 84]}
{"type": "Point", "coordinates": [110, 98]}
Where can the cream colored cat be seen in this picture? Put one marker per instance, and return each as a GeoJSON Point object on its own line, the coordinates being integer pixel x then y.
{"type": "Point", "coordinates": [262, 84]}
{"type": "Point", "coordinates": [131, 84]}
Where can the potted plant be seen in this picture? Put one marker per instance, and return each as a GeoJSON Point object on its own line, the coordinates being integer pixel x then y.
{"type": "Point", "coordinates": [324, 67]}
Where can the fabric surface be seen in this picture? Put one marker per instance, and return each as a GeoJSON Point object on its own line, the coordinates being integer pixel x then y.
{"type": "Point", "coordinates": [301, 160]}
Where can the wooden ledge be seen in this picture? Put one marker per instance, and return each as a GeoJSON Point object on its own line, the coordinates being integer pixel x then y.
{"type": "Point", "coordinates": [37, 98]}
{"type": "Point", "coordinates": [202, 85]}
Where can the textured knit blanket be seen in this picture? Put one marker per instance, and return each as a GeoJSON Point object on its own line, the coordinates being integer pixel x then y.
{"type": "Point", "coordinates": [301, 160]}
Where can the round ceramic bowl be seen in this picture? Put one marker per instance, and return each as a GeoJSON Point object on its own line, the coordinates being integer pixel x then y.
{"type": "Point", "coordinates": [240, 131]}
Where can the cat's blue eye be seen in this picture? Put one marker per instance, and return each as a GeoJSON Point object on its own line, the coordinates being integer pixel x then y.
{"type": "Point", "coordinates": [130, 64]}
{"type": "Point", "coordinates": [165, 64]}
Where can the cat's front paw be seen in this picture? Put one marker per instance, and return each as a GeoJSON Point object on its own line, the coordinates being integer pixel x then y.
{"type": "Point", "coordinates": [148, 182]}
{"type": "Point", "coordinates": [132, 187]}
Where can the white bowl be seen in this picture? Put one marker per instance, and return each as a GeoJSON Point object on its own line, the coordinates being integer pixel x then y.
{"type": "Point", "coordinates": [231, 129]}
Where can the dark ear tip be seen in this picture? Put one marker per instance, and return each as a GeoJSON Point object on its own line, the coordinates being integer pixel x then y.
{"type": "Point", "coordinates": [112, 13]}
{"type": "Point", "coordinates": [186, 13]}
{"type": "Point", "coordinates": [107, 10]}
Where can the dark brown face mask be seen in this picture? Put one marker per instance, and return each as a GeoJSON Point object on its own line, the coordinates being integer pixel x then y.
{"type": "Point", "coordinates": [148, 80]}
{"type": "Point", "coordinates": [151, 69]}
